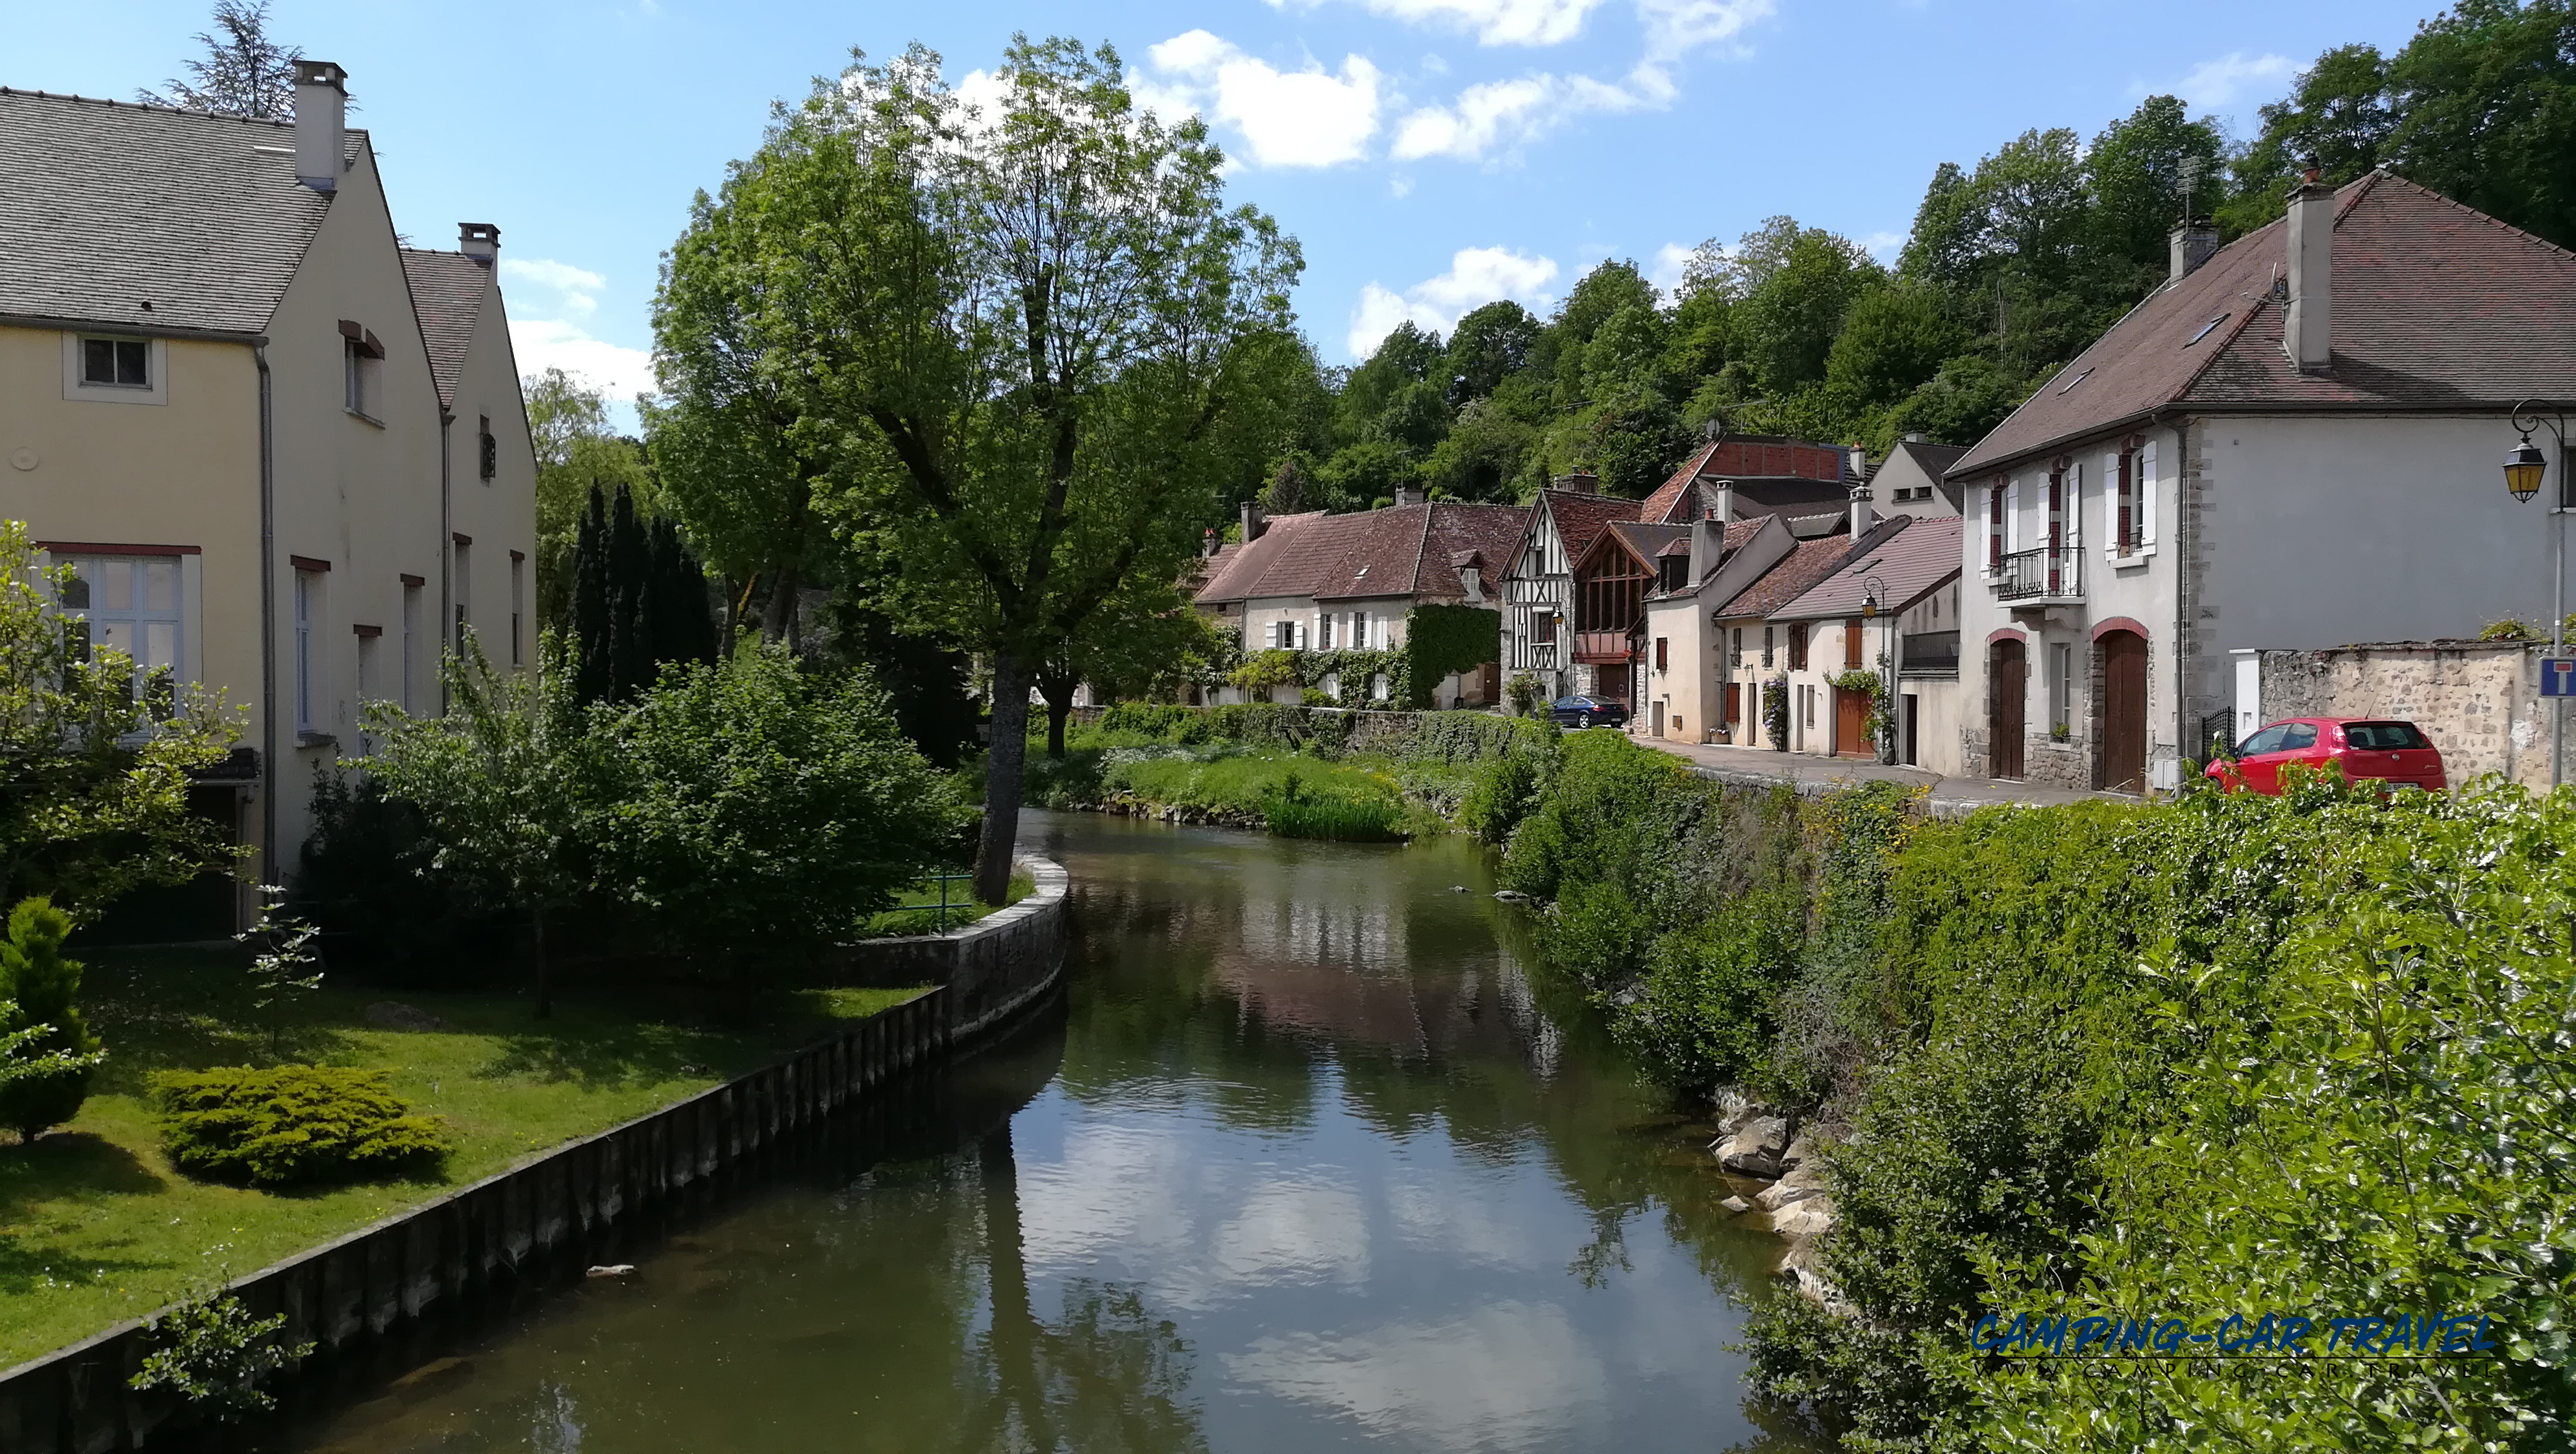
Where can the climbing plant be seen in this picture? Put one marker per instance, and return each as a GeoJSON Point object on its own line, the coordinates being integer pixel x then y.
{"type": "Point", "coordinates": [1439, 640]}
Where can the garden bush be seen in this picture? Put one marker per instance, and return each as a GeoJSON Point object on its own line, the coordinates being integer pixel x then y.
{"type": "Point", "coordinates": [293, 1124]}
{"type": "Point", "coordinates": [41, 989]}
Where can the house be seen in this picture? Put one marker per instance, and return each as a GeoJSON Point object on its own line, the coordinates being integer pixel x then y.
{"type": "Point", "coordinates": [1538, 581]}
{"type": "Point", "coordinates": [1910, 480]}
{"type": "Point", "coordinates": [2292, 443]}
{"type": "Point", "coordinates": [1319, 582]}
{"type": "Point", "coordinates": [1891, 610]}
{"type": "Point", "coordinates": [1610, 583]}
{"type": "Point", "coordinates": [284, 454]}
{"type": "Point", "coordinates": [1761, 655]}
{"type": "Point", "coordinates": [1686, 694]}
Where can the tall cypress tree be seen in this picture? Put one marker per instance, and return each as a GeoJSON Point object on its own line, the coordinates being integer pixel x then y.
{"type": "Point", "coordinates": [591, 600]}
{"type": "Point", "coordinates": [629, 564]}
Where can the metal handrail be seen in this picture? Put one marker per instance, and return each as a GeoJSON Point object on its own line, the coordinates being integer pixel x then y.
{"type": "Point", "coordinates": [2056, 573]}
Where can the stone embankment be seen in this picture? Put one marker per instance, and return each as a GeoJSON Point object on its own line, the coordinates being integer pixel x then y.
{"type": "Point", "coordinates": [1768, 1145]}
{"type": "Point", "coordinates": [1128, 805]}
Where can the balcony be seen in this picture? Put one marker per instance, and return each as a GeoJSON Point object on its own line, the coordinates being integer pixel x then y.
{"type": "Point", "coordinates": [1601, 648]}
{"type": "Point", "coordinates": [2042, 575]}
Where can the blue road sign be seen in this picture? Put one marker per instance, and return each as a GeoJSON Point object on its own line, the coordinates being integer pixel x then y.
{"type": "Point", "coordinates": [2558, 676]}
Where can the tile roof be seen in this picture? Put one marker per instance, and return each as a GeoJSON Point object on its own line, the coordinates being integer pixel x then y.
{"type": "Point", "coordinates": [447, 294]}
{"type": "Point", "coordinates": [1645, 539]}
{"type": "Point", "coordinates": [108, 205]}
{"type": "Point", "coordinates": [2425, 292]}
{"type": "Point", "coordinates": [1581, 518]}
{"type": "Point", "coordinates": [1738, 535]}
{"type": "Point", "coordinates": [1922, 556]}
{"type": "Point", "coordinates": [1667, 498]}
{"type": "Point", "coordinates": [1799, 570]}
{"type": "Point", "coordinates": [1402, 550]}
{"type": "Point", "coordinates": [1745, 458]}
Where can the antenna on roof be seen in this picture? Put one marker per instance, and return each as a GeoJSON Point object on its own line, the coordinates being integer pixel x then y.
{"type": "Point", "coordinates": [2191, 169]}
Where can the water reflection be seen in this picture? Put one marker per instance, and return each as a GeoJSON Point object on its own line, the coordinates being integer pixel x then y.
{"type": "Point", "coordinates": [1312, 1161]}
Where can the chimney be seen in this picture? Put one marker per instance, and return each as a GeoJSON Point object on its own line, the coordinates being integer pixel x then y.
{"type": "Point", "coordinates": [1253, 523]}
{"type": "Point", "coordinates": [1917, 436]}
{"type": "Point", "coordinates": [1207, 546]}
{"type": "Point", "coordinates": [1721, 502]}
{"type": "Point", "coordinates": [1862, 516]}
{"type": "Point", "coordinates": [1859, 466]}
{"type": "Point", "coordinates": [2307, 330]}
{"type": "Point", "coordinates": [2189, 245]}
{"type": "Point", "coordinates": [1581, 482]}
{"type": "Point", "coordinates": [1408, 495]}
{"type": "Point", "coordinates": [321, 109]}
{"type": "Point", "coordinates": [1708, 543]}
{"type": "Point", "coordinates": [480, 241]}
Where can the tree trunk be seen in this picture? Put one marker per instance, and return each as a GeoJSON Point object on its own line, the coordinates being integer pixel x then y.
{"type": "Point", "coordinates": [778, 623]}
{"type": "Point", "coordinates": [545, 984]}
{"type": "Point", "coordinates": [1058, 691]}
{"type": "Point", "coordinates": [1004, 766]}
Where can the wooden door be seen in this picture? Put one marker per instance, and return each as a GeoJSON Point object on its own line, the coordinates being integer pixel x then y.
{"type": "Point", "coordinates": [1913, 755]}
{"type": "Point", "coordinates": [2124, 711]}
{"type": "Point", "coordinates": [1734, 711]}
{"type": "Point", "coordinates": [2009, 681]}
{"type": "Point", "coordinates": [1851, 725]}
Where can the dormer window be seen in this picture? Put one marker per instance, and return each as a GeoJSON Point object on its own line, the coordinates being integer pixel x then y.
{"type": "Point", "coordinates": [116, 363]}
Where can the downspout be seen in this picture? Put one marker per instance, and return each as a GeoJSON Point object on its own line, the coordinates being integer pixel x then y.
{"type": "Point", "coordinates": [446, 555]}
{"type": "Point", "coordinates": [267, 618]}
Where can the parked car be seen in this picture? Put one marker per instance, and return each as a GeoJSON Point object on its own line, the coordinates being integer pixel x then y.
{"type": "Point", "coordinates": [1588, 712]}
{"type": "Point", "coordinates": [2370, 749]}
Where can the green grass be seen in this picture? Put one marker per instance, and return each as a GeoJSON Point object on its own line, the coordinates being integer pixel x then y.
{"type": "Point", "coordinates": [918, 912]}
{"type": "Point", "coordinates": [96, 1226]}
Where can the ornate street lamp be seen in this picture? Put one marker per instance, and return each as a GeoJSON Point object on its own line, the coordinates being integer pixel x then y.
{"type": "Point", "coordinates": [2524, 470]}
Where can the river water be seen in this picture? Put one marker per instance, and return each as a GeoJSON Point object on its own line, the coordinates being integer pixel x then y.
{"type": "Point", "coordinates": [1310, 1159]}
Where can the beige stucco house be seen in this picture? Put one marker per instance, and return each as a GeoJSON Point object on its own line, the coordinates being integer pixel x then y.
{"type": "Point", "coordinates": [287, 456]}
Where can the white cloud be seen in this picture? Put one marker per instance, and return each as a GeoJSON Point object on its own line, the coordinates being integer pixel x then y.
{"type": "Point", "coordinates": [1498, 117]}
{"type": "Point", "coordinates": [620, 373]}
{"type": "Point", "coordinates": [1304, 118]}
{"type": "Point", "coordinates": [2216, 84]}
{"type": "Point", "coordinates": [1677, 27]}
{"type": "Point", "coordinates": [1671, 260]}
{"type": "Point", "coordinates": [1476, 276]}
{"type": "Point", "coordinates": [576, 289]}
{"type": "Point", "coordinates": [1884, 246]}
{"type": "Point", "coordinates": [1506, 1372]}
{"type": "Point", "coordinates": [1493, 22]}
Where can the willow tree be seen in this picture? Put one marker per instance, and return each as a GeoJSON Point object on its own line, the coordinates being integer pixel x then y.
{"type": "Point", "coordinates": [1017, 340]}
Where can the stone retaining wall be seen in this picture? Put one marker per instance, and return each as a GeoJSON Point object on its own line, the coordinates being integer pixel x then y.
{"type": "Point", "coordinates": [377, 1282]}
{"type": "Point", "coordinates": [2479, 701]}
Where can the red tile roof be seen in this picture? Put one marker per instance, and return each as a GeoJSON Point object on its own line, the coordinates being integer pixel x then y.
{"type": "Point", "coordinates": [1403, 550]}
{"type": "Point", "coordinates": [1745, 458]}
{"type": "Point", "coordinates": [1800, 570]}
{"type": "Point", "coordinates": [2435, 306]}
{"type": "Point", "coordinates": [1582, 518]}
{"type": "Point", "coordinates": [1922, 556]}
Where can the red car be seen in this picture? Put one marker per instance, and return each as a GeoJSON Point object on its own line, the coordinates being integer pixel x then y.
{"type": "Point", "coordinates": [2369, 748]}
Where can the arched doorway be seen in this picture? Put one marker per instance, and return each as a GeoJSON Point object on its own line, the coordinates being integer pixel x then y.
{"type": "Point", "coordinates": [2122, 766]}
{"type": "Point", "coordinates": [2007, 686]}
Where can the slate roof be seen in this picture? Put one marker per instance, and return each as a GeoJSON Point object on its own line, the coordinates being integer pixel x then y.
{"type": "Point", "coordinates": [108, 205]}
{"type": "Point", "coordinates": [2435, 306]}
{"type": "Point", "coordinates": [1738, 535]}
{"type": "Point", "coordinates": [1921, 557]}
{"type": "Point", "coordinates": [1800, 570]}
{"type": "Point", "coordinates": [1403, 550]}
{"type": "Point", "coordinates": [447, 294]}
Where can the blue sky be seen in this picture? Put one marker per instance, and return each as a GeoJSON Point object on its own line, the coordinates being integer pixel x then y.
{"type": "Point", "coordinates": [1430, 154]}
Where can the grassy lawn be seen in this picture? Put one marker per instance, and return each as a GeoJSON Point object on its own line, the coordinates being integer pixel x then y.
{"type": "Point", "coordinates": [96, 1227]}
{"type": "Point", "coordinates": [917, 912]}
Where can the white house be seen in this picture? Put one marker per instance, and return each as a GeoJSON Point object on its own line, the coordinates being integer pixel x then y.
{"type": "Point", "coordinates": [2292, 444]}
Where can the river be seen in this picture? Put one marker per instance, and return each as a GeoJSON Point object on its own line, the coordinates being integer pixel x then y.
{"type": "Point", "coordinates": [1309, 1159]}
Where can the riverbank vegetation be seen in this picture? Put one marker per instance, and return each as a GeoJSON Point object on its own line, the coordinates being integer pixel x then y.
{"type": "Point", "coordinates": [98, 1223]}
{"type": "Point", "coordinates": [1295, 771]}
{"type": "Point", "coordinates": [2232, 1055]}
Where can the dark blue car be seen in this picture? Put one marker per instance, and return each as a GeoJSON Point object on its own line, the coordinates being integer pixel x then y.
{"type": "Point", "coordinates": [1588, 712]}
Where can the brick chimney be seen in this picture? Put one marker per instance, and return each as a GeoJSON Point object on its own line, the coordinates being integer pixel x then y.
{"type": "Point", "coordinates": [1581, 482]}
{"type": "Point", "coordinates": [1408, 495]}
{"type": "Point", "coordinates": [321, 117]}
{"type": "Point", "coordinates": [2191, 243]}
{"type": "Point", "coordinates": [480, 241]}
{"type": "Point", "coordinates": [1253, 522]}
{"type": "Point", "coordinates": [2307, 329]}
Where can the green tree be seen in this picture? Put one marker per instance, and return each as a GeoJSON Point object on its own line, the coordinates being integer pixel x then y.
{"type": "Point", "coordinates": [1893, 341]}
{"type": "Point", "coordinates": [1142, 644]}
{"type": "Point", "coordinates": [2337, 118]}
{"type": "Point", "coordinates": [95, 756]}
{"type": "Point", "coordinates": [578, 454]}
{"type": "Point", "coordinates": [1489, 345]}
{"type": "Point", "coordinates": [42, 987]}
{"type": "Point", "coordinates": [1407, 357]}
{"type": "Point", "coordinates": [1805, 284]}
{"type": "Point", "coordinates": [2486, 108]}
{"type": "Point", "coordinates": [2147, 169]}
{"type": "Point", "coordinates": [1010, 338]}
{"type": "Point", "coordinates": [243, 72]}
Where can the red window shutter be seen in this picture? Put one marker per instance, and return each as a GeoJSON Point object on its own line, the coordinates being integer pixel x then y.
{"type": "Point", "coordinates": [1995, 525]}
{"type": "Point", "coordinates": [1662, 662]}
{"type": "Point", "coordinates": [1851, 641]}
{"type": "Point", "coordinates": [2126, 536]}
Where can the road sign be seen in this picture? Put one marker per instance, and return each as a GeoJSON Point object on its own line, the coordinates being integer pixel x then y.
{"type": "Point", "coordinates": [2558, 676]}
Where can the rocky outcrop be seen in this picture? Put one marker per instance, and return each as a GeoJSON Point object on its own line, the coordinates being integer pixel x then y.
{"type": "Point", "coordinates": [1767, 1144]}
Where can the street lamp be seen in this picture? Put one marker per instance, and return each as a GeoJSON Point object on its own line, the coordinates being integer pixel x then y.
{"type": "Point", "coordinates": [1873, 591]}
{"type": "Point", "coordinates": [2523, 469]}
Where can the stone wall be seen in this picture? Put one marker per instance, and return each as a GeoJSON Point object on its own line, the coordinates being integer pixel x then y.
{"type": "Point", "coordinates": [433, 1260]}
{"type": "Point", "coordinates": [2479, 701]}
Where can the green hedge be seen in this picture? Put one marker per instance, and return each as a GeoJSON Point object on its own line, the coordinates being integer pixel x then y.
{"type": "Point", "coordinates": [293, 1124]}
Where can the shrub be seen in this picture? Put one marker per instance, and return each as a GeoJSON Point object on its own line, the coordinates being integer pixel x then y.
{"type": "Point", "coordinates": [1598, 932]}
{"type": "Point", "coordinates": [1525, 694]}
{"type": "Point", "coordinates": [367, 882]}
{"type": "Point", "coordinates": [210, 1351]}
{"type": "Point", "coordinates": [41, 986]}
{"type": "Point", "coordinates": [1707, 1012]}
{"type": "Point", "coordinates": [296, 1123]}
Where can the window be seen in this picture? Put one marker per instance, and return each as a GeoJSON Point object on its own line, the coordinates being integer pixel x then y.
{"type": "Point", "coordinates": [129, 604]}
{"type": "Point", "coordinates": [1852, 642]}
{"type": "Point", "coordinates": [2061, 688]}
{"type": "Point", "coordinates": [1737, 642]}
{"type": "Point", "coordinates": [2205, 329]}
{"type": "Point", "coordinates": [2124, 509]}
{"type": "Point", "coordinates": [1360, 630]}
{"type": "Point", "coordinates": [360, 358]}
{"type": "Point", "coordinates": [2267, 740]}
{"type": "Point", "coordinates": [488, 448]}
{"type": "Point", "coordinates": [1766, 648]}
{"type": "Point", "coordinates": [1663, 658]}
{"type": "Point", "coordinates": [518, 604]}
{"type": "Point", "coordinates": [411, 586]}
{"type": "Point", "coordinates": [369, 687]}
{"type": "Point", "coordinates": [1797, 646]}
{"type": "Point", "coordinates": [116, 363]}
{"type": "Point", "coordinates": [2298, 736]}
{"type": "Point", "coordinates": [308, 604]}
{"type": "Point", "coordinates": [2384, 736]}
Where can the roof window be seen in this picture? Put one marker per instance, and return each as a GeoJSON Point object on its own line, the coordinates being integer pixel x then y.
{"type": "Point", "coordinates": [2207, 327]}
{"type": "Point", "coordinates": [2079, 378]}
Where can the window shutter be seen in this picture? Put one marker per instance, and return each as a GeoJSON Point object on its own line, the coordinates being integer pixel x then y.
{"type": "Point", "coordinates": [1852, 642]}
{"type": "Point", "coordinates": [1995, 527]}
{"type": "Point", "coordinates": [2124, 528]}
{"type": "Point", "coordinates": [2147, 495]}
